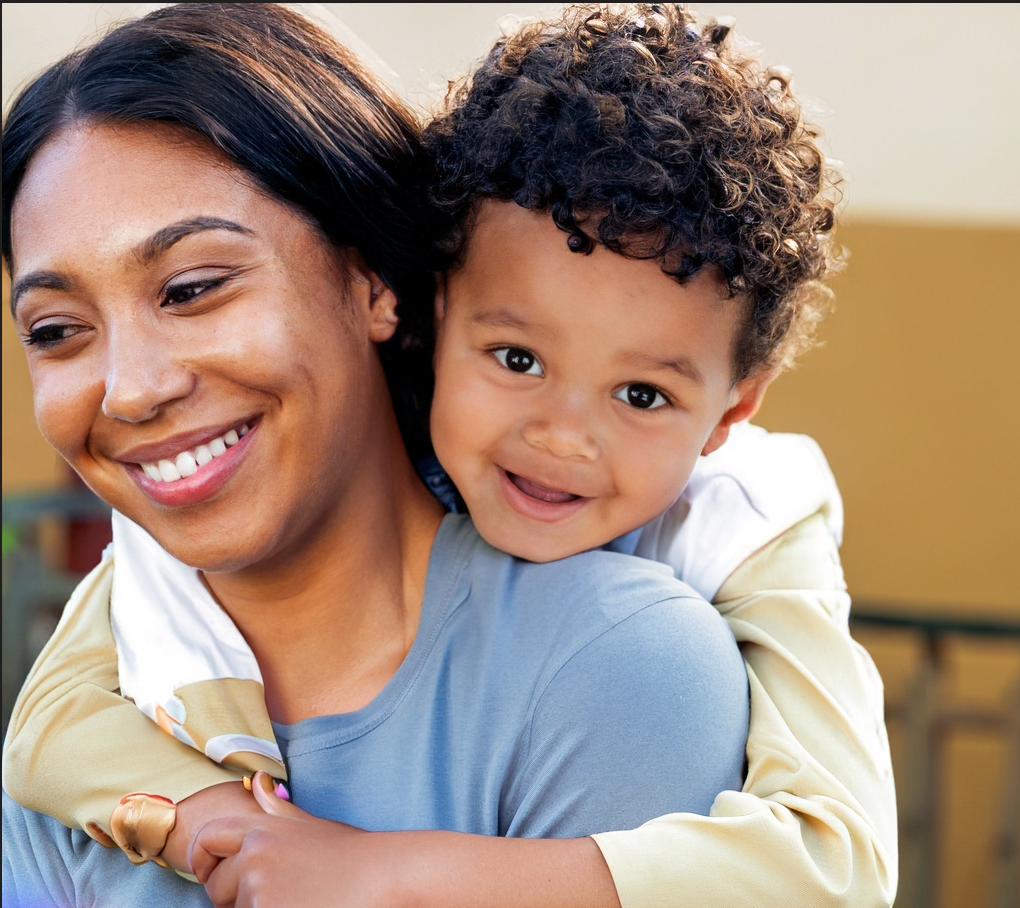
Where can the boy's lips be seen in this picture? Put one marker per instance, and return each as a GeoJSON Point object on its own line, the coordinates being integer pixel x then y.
{"type": "Point", "coordinates": [542, 493]}
{"type": "Point", "coordinates": [535, 501]}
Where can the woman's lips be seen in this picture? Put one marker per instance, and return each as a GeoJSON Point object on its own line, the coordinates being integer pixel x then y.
{"type": "Point", "coordinates": [189, 462]}
{"type": "Point", "coordinates": [194, 475]}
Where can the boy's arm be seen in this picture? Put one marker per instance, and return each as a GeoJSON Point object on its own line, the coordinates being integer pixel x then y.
{"type": "Point", "coordinates": [74, 746]}
{"type": "Point", "coordinates": [815, 825]}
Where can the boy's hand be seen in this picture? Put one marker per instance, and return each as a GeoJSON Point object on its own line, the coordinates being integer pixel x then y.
{"type": "Point", "coordinates": [227, 800]}
{"type": "Point", "coordinates": [285, 857]}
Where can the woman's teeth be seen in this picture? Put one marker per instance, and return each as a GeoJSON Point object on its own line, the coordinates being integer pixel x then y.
{"type": "Point", "coordinates": [188, 463]}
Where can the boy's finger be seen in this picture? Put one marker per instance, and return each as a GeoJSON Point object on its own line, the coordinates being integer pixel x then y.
{"type": "Point", "coordinates": [216, 840]}
{"type": "Point", "coordinates": [222, 886]}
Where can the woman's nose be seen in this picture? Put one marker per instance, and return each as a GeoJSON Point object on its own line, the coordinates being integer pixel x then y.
{"type": "Point", "coordinates": [565, 428]}
{"type": "Point", "coordinates": [143, 375]}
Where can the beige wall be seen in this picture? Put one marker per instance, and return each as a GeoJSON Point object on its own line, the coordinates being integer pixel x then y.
{"type": "Point", "coordinates": [914, 399]}
{"type": "Point", "coordinates": [29, 464]}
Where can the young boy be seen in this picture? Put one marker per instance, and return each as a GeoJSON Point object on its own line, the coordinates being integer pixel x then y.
{"type": "Point", "coordinates": [636, 222]}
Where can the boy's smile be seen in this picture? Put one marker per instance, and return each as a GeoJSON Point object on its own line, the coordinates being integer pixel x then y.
{"type": "Point", "coordinates": [574, 393]}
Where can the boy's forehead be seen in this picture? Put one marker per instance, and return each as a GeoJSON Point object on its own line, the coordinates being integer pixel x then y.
{"type": "Point", "coordinates": [494, 219]}
{"type": "Point", "coordinates": [502, 230]}
{"type": "Point", "coordinates": [519, 271]}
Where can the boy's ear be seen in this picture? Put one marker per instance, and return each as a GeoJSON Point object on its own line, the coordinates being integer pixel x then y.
{"type": "Point", "coordinates": [745, 399]}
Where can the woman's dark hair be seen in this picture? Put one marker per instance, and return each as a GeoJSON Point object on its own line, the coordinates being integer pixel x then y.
{"type": "Point", "coordinates": [638, 130]}
{"type": "Point", "coordinates": [292, 108]}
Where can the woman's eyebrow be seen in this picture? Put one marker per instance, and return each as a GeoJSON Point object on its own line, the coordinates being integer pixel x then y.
{"type": "Point", "coordinates": [43, 280]}
{"type": "Point", "coordinates": [146, 251]}
{"type": "Point", "coordinates": [164, 238]}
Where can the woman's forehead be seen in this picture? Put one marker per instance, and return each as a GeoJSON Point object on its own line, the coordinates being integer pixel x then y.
{"type": "Point", "coordinates": [106, 184]}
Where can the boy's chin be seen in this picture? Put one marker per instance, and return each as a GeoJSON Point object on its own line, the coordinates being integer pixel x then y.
{"type": "Point", "coordinates": [537, 547]}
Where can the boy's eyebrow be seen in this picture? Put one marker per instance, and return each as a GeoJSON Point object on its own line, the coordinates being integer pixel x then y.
{"type": "Point", "coordinates": [682, 365]}
{"type": "Point", "coordinates": [498, 318]}
{"type": "Point", "coordinates": [145, 252]}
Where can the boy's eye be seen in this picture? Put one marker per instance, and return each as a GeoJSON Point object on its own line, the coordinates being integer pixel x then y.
{"type": "Point", "coordinates": [642, 397]}
{"type": "Point", "coordinates": [517, 359]}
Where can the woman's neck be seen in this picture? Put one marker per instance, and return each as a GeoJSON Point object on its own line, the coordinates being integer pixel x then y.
{"type": "Point", "coordinates": [332, 621]}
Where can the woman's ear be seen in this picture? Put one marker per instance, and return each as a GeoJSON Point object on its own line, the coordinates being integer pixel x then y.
{"type": "Point", "coordinates": [744, 401]}
{"type": "Point", "coordinates": [383, 318]}
{"type": "Point", "coordinates": [371, 291]}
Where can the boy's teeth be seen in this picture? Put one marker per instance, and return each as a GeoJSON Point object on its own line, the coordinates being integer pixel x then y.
{"type": "Point", "coordinates": [188, 463]}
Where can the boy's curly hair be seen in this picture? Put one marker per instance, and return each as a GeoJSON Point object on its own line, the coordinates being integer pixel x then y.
{"type": "Point", "coordinates": [640, 131]}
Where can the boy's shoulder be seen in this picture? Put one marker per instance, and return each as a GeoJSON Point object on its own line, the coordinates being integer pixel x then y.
{"type": "Point", "coordinates": [754, 488]}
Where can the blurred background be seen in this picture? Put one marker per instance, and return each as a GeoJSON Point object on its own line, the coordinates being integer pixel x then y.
{"type": "Point", "coordinates": [913, 396]}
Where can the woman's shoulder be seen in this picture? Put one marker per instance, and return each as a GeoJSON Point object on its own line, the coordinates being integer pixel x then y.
{"type": "Point", "coordinates": [569, 603]}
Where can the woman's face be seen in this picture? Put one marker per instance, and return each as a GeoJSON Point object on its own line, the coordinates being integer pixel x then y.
{"type": "Point", "coordinates": [199, 354]}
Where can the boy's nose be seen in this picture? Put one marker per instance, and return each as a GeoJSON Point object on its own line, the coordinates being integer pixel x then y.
{"type": "Point", "coordinates": [142, 376]}
{"type": "Point", "coordinates": [564, 430]}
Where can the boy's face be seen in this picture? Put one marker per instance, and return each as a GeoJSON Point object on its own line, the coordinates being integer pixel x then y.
{"type": "Point", "coordinates": [574, 393]}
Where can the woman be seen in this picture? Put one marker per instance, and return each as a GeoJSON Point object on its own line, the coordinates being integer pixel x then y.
{"type": "Point", "coordinates": [210, 223]}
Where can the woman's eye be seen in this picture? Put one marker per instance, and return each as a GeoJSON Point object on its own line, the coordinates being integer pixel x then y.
{"type": "Point", "coordinates": [517, 359]}
{"type": "Point", "coordinates": [182, 294]}
{"type": "Point", "coordinates": [51, 335]}
{"type": "Point", "coordinates": [642, 397]}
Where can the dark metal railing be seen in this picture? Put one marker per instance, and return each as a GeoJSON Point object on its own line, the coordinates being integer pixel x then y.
{"type": "Point", "coordinates": [926, 715]}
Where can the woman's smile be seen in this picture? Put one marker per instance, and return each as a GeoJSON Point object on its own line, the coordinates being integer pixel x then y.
{"type": "Point", "coordinates": [217, 343]}
{"type": "Point", "coordinates": [195, 473]}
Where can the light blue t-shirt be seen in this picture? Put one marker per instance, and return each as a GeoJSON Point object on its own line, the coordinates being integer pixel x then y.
{"type": "Point", "coordinates": [562, 699]}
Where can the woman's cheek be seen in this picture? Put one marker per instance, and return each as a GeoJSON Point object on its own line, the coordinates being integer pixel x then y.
{"type": "Point", "coordinates": [67, 403]}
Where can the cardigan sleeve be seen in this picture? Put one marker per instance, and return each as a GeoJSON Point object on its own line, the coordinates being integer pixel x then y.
{"type": "Point", "coordinates": [815, 823]}
{"type": "Point", "coordinates": [74, 746]}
